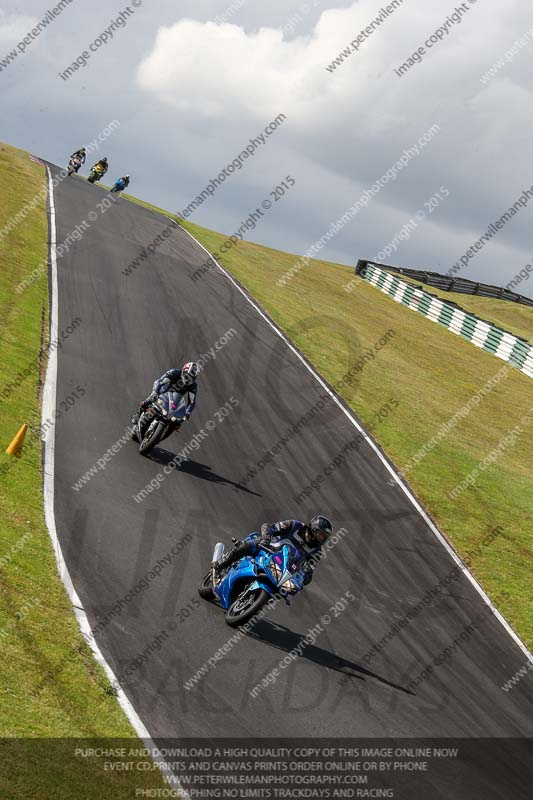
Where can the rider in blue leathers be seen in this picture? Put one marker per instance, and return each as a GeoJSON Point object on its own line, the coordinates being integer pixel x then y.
{"type": "Point", "coordinates": [177, 380]}
{"type": "Point", "coordinates": [122, 183]}
{"type": "Point", "coordinates": [306, 540]}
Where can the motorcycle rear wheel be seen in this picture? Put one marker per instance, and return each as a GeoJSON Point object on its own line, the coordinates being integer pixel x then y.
{"type": "Point", "coordinates": [246, 606]}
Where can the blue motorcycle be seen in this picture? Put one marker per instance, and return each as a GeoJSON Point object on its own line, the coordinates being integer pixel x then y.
{"type": "Point", "coordinates": [162, 417]}
{"type": "Point", "coordinates": [249, 583]}
{"type": "Point", "coordinates": [118, 186]}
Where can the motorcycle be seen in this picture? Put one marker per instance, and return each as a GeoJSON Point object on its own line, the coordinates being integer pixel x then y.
{"type": "Point", "coordinates": [73, 165]}
{"type": "Point", "coordinates": [162, 417]}
{"type": "Point", "coordinates": [118, 187]}
{"type": "Point", "coordinates": [95, 174]}
{"type": "Point", "coordinates": [247, 585]}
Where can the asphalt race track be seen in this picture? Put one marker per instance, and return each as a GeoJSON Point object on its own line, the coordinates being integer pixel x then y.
{"type": "Point", "coordinates": [132, 329]}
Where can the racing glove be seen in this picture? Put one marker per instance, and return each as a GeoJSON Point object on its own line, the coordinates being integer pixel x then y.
{"type": "Point", "coordinates": [150, 399]}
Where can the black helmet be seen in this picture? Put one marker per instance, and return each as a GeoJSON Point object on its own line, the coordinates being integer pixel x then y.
{"type": "Point", "coordinates": [189, 371]}
{"type": "Point", "coordinates": [320, 529]}
{"type": "Point", "coordinates": [82, 150]}
{"type": "Point", "coordinates": [104, 160]}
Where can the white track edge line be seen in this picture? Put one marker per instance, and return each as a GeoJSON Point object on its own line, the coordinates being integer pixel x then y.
{"type": "Point", "coordinates": [48, 406]}
{"type": "Point", "coordinates": [431, 525]}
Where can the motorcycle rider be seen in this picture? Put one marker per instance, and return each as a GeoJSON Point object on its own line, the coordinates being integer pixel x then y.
{"type": "Point", "coordinates": [306, 539]}
{"type": "Point", "coordinates": [121, 183]}
{"type": "Point", "coordinates": [176, 380]}
{"type": "Point", "coordinates": [81, 154]}
{"type": "Point", "coordinates": [102, 165]}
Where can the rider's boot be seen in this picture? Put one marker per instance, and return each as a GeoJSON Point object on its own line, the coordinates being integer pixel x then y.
{"type": "Point", "coordinates": [241, 549]}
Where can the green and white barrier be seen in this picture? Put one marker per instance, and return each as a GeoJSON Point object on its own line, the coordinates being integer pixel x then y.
{"type": "Point", "coordinates": [517, 352]}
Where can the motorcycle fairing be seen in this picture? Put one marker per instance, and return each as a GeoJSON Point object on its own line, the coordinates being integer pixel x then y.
{"type": "Point", "coordinates": [267, 570]}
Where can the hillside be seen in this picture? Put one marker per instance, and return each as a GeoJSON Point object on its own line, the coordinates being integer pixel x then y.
{"type": "Point", "coordinates": [414, 378]}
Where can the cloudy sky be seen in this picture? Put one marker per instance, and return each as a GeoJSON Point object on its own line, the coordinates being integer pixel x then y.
{"type": "Point", "coordinates": [192, 81]}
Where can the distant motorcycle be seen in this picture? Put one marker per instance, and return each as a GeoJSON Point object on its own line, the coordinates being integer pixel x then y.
{"type": "Point", "coordinates": [162, 417]}
{"type": "Point", "coordinates": [118, 186]}
{"type": "Point", "coordinates": [249, 583]}
{"type": "Point", "coordinates": [74, 165]}
{"type": "Point", "coordinates": [95, 174]}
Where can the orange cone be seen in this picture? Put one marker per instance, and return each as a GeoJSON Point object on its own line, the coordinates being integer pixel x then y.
{"type": "Point", "coordinates": [15, 448]}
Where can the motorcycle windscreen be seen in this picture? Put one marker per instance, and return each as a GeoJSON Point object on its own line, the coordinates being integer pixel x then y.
{"type": "Point", "coordinates": [283, 567]}
{"type": "Point", "coordinates": [277, 565]}
{"type": "Point", "coordinates": [175, 404]}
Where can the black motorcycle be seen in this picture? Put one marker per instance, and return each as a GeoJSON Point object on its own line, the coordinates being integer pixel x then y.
{"type": "Point", "coordinates": [162, 417]}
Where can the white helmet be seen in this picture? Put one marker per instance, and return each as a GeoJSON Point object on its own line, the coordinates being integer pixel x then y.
{"type": "Point", "coordinates": [189, 371]}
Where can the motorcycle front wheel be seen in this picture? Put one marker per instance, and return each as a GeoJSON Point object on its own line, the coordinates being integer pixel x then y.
{"type": "Point", "coordinates": [246, 606]}
{"type": "Point", "coordinates": [205, 590]}
{"type": "Point", "coordinates": [152, 438]}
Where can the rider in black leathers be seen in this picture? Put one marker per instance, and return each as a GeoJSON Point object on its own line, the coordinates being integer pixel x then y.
{"type": "Point", "coordinates": [307, 540]}
{"type": "Point", "coordinates": [178, 380]}
{"type": "Point", "coordinates": [81, 154]}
